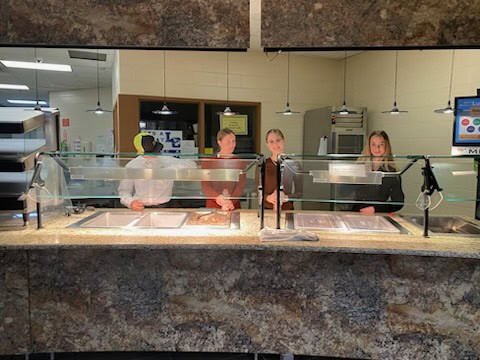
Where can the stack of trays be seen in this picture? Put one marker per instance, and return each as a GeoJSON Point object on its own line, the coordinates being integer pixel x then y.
{"type": "Point", "coordinates": [21, 136]}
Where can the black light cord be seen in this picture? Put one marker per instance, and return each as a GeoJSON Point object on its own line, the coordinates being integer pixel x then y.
{"type": "Point", "coordinates": [36, 75]}
{"type": "Point", "coordinates": [396, 71]}
{"type": "Point", "coordinates": [227, 78]}
{"type": "Point", "coordinates": [288, 79]}
{"type": "Point", "coordinates": [98, 83]}
{"type": "Point", "coordinates": [451, 77]}
{"type": "Point", "coordinates": [164, 77]}
{"type": "Point", "coordinates": [344, 77]}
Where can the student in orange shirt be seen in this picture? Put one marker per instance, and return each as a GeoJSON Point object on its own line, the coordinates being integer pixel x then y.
{"type": "Point", "coordinates": [224, 194]}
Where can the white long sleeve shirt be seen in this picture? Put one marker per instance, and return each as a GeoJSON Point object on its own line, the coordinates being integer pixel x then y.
{"type": "Point", "coordinates": [151, 192]}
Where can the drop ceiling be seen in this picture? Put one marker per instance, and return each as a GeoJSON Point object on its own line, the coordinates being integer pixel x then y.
{"type": "Point", "coordinates": [83, 75]}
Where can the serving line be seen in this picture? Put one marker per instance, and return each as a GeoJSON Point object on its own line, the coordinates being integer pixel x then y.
{"type": "Point", "coordinates": [57, 234]}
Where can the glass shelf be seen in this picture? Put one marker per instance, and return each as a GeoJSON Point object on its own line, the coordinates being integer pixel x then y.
{"type": "Point", "coordinates": [350, 182]}
{"type": "Point", "coordinates": [91, 175]}
{"type": "Point", "coordinates": [332, 182]}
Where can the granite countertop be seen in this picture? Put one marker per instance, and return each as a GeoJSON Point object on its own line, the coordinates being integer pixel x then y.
{"type": "Point", "coordinates": [55, 234]}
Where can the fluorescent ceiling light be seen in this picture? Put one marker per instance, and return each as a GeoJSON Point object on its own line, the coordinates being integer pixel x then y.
{"type": "Point", "coordinates": [14, 87]}
{"type": "Point", "coordinates": [27, 102]}
{"type": "Point", "coordinates": [36, 65]}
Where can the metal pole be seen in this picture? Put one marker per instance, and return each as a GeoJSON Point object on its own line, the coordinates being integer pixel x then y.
{"type": "Point", "coordinates": [477, 201]}
{"type": "Point", "coordinates": [262, 184]}
{"type": "Point", "coordinates": [38, 163]}
{"type": "Point", "coordinates": [428, 188]}
{"type": "Point", "coordinates": [425, 222]}
{"type": "Point", "coordinates": [279, 180]}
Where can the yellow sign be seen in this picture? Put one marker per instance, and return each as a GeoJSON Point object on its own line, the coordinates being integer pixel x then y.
{"type": "Point", "coordinates": [237, 123]}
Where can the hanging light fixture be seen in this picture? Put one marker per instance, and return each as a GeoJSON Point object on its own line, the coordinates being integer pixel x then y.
{"type": "Point", "coordinates": [164, 110]}
{"type": "Point", "coordinates": [288, 110]}
{"type": "Point", "coordinates": [448, 109]}
{"type": "Point", "coordinates": [344, 110]}
{"type": "Point", "coordinates": [98, 109]}
{"type": "Point", "coordinates": [37, 105]}
{"type": "Point", "coordinates": [37, 101]}
{"type": "Point", "coordinates": [395, 110]}
{"type": "Point", "coordinates": [227, 111]}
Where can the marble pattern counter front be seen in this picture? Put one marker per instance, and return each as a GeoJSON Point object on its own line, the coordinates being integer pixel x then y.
{"type": "Point", "coordinates": [358, 296]}
{"type": "Point", "coordinates": [231, 300]}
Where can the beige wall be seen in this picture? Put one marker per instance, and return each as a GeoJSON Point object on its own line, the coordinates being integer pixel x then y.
{"type": "Point", "coordinates": [422, 86]}
{"type": "Point", "coordinates": [253, 76]}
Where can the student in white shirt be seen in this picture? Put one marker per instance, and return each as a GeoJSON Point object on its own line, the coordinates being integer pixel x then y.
{"type": "Point", "coordinates": [137, 194]}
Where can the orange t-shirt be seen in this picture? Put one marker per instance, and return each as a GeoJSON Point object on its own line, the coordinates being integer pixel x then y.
{"type": "Point", "coordinates": [211, 189]}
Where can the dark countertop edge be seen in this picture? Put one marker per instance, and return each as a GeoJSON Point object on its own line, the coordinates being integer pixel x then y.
{"type": "Point", "coordinates": [273, 247]}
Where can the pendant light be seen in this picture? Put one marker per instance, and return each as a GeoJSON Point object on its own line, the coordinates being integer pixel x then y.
{"type": "Point", "coordinates": [395, 110]}
{"type": "Point", "coordinates": [288, 110]}
{"type": "Point", "coordinates": [98, 109]}
{"type": "Point", "coordinates": [164, 110]}
{"type": "Point", "coordinates": [37, 106]}
{"type": "Point", "coordinates": [343, 110]}
{"type": "Point", "coordinates": [448, 109]}
{"type": "Point", "coordinates": [227, 111]}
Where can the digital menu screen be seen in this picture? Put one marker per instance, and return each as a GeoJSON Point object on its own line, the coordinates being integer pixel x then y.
{"type": "Point", "coordinates": [466, 128]}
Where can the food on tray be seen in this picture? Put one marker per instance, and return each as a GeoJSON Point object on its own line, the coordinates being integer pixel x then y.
{"type": "Point", "coordinates": [369, 223]}
{"type": "Point", "coordinates": [317, 222]}
{"type": "Point", "coordinates": [210, 218]}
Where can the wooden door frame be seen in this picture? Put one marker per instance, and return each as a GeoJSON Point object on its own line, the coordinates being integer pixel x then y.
{"type": "Point", "coordinates": [127, 118]}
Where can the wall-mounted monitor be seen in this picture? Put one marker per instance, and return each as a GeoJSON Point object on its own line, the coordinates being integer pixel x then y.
{"type": "Point", "coordinates": [466, 127]}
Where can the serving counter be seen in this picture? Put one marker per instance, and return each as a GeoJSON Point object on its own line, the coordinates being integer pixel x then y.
{"type": "Point", "coordinates": [58, 233]}
{"type": "Point", "coordinates": [389, 296]}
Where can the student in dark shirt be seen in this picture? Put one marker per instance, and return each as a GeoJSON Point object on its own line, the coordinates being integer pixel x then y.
{"type": "Point", "coordinates": [292, 183]}
{"type": "Point", "coordinates": [390, 190]}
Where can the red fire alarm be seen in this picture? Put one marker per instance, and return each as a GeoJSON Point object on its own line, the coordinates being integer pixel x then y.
{"type": "Point", "coordinates": [65, 122]}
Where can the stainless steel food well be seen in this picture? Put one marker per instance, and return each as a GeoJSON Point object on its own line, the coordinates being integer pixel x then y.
{"type": "Point", "coordinates": [338, 222]}
{"type": "Point", "coordinates": [161, 220]}
{"type": "Point", "coordinates": [445, 225]}
{"type": "Point", "coordinates": [147, 220]}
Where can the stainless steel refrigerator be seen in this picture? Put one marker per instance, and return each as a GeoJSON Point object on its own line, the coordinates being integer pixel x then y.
{"type": "Point", "coordinates": [326, 132]}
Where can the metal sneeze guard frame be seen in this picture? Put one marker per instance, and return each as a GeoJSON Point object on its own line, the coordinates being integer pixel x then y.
{"type": "Point", "coordinates": [432, 181]}
{"type": "Point", "coordinates": [70, 166]}
{"type": "Point", "coordinates": [436, 171]}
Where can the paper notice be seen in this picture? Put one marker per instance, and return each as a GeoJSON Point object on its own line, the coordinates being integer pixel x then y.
{"type": "Point", "coordinates": [347, 170]}
{"type": "Point", "coordinates": [322, 146]}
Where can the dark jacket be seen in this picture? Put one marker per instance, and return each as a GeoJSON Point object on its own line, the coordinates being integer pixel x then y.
{"type": "Point", "coordinates": [389, 191]}
{"type": "Point", "coordinates": [291, 180]}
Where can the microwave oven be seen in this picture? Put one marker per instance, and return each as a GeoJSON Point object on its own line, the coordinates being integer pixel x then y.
{"type": "Point", "coordinates": [348, 140]}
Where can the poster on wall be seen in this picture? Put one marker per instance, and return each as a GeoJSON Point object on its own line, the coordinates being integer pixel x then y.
{"type": "Point", "coordinates": [466, 127]}
{"type": "Point", "coordinates": [171, 140]}
{"type": "Point", "coordinates": [237, 123]}
{"type": "Point", "coordinates": [104, 143]}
